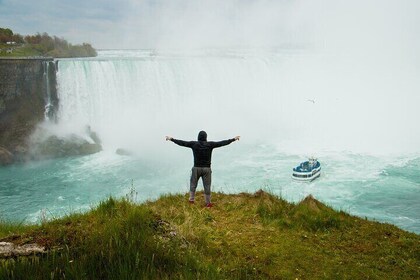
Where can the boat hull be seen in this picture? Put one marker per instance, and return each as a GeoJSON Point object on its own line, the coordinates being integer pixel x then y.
{"type": "Point", "coordinates": [307, 176]}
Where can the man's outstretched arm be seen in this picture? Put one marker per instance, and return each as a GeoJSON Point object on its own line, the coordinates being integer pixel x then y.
{"type": "Point", "coordinates": [180, 142]}
{"type": "Point", "coordinates": [225, 142]}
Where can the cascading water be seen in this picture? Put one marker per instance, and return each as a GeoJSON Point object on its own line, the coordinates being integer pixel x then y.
{"type": "Point", "coordinates": [50, 98]}
{"type": "Point", "coordinates": [137, 101]}
{"type": "Point", "coordinates": [285, 104]}
{"type": "Point", "coordinates": [290, 98]}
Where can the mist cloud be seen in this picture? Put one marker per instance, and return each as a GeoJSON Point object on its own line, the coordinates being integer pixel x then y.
{"type": "Point", "coordinates": [331, 24]}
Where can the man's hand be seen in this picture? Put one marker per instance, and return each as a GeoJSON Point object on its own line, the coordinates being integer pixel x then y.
{"type": "Point", "coordinates": [168, 138]}
{"type": "Point", "coordinates": [237, 138]}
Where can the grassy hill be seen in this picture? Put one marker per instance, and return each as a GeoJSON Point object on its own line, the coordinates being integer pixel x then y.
{"type": "Point", "coordinates": [18, 51]}
{"type": "Point", "coordinates": [244, 236]}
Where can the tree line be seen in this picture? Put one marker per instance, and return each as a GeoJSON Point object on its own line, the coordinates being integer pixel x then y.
{"type": "Point", "coordinates": [46, 45]}
{"type": "Point", "coordinates": [6, 35]}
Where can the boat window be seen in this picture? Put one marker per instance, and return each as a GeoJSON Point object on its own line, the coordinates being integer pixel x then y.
{"type": "Point", "coordinates": [302, 176]}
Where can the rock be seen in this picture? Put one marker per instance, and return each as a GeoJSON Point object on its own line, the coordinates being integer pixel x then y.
{"type": "Point", "coordinates": [6, 157]}
{"type": "Point", "coordinates": [28, 249]}
{"type": "Point", "coordinates": [89, 148]}
{"type": "Point", "coordinates": [48, 142]}
{"type": "Point", "coordinates": [54, 147]}
{"type": "Point", "coordinates": [123, 152]}
{"type": "Point", "coordinates": [20, 153]}
{"type": "Point", "coordinates": [8, 249]}
{"type": "Point", "coordinates": [23, 89]}
{"type": "Point", "coordinates": [2, 106]}
{"type": "Point", "coordinates": [95, 138]}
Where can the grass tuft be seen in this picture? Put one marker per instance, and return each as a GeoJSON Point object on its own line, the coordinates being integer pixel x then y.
{"type": "Point", "coordinates": [309, 214]}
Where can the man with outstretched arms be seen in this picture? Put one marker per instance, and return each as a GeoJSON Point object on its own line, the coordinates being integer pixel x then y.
{"type": "Point", "coordinates": [202, 150]}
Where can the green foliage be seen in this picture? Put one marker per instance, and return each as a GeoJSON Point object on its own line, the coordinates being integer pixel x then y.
{"type": "Point", "coordinates": [11, 228]}
{"type": "Point", "coordinates": [6, 32]}
{"type": "Point", "coordinates": [41, 45]}
{"type": "Point", "coordinates": [6, 35]}
{"type": "Point", "coordinates": [107, 207]}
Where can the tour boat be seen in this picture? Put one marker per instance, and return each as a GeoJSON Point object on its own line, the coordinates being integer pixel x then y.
{"type": "Point", "coordinates": [307, 171]}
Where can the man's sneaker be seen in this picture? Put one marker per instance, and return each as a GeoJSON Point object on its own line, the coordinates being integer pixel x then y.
{"type": "Point", "coordinates": [191, 201]}
{"type": "Point", "coordinates": [209, 205]}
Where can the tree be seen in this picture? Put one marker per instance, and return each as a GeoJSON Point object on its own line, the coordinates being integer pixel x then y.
{"type": "Point", "coordinates": [5, 35]}
{"type": "Point", "coordinates": [18, 38]}
{"type": "Point", "coordinates": [6, 31]}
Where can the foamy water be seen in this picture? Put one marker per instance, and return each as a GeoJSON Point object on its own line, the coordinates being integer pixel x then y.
{"type": "Point", "coordinates": [378, 188]}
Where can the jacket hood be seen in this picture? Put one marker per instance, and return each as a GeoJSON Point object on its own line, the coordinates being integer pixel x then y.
{"type": "Point", "coordinates": [202, 136]}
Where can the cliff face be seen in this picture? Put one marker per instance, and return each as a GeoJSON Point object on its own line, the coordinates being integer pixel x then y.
{"type": "Point", "coordinates": [27, 86]}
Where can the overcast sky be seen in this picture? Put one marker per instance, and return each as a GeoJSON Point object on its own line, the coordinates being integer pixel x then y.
{"type": "Point", "coordinates": [216, 23]}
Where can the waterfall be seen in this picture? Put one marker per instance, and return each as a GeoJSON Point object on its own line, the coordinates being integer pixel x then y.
{"type": "Point", "coordinates": [50, 91]}
{"type": "Point", "coordinates": [126, 100]}
{"type": "Point", "coordinates": [291, 98]}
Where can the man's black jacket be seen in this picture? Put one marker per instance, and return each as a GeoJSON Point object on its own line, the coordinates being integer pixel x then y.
{"type": "Point", "coordinates": [202, 148]}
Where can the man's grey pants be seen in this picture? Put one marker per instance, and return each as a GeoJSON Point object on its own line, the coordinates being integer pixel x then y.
{"type": "Point", "coordinates": [205, 174]}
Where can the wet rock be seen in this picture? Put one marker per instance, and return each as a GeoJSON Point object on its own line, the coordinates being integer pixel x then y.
{"type": "Point", "coordinates": [20, 153]}
{"type": "Point", "coordinates": [6, 157]}
{"type": "Point", "coordinates": [2, 106]}
{"type": "Point", "coordinates": [22, 99]}
{"type": "Point", "coordinates": [92, 134]}
{"type": "Point", "coordinates": [73, 145]}
{"type": "Point", "coordinates": [123, 152]}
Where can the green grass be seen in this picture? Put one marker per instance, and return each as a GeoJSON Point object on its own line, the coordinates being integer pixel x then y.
{"type": "Point", "coordinates": [19, 51]}
{"type": "Point", "coordinates": [245, 236]}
